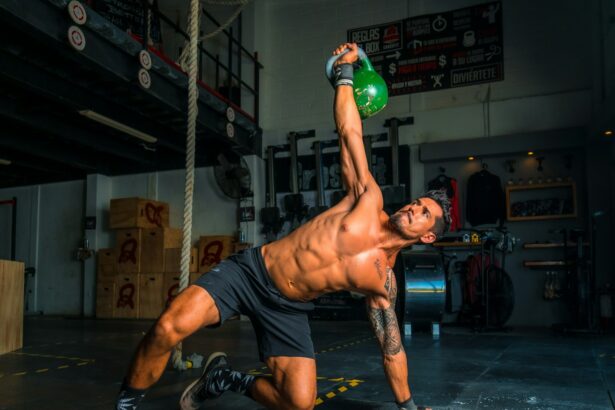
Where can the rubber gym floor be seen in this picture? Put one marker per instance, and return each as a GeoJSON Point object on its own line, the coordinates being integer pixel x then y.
{"type": "Point", "coordinates": [78, 364]}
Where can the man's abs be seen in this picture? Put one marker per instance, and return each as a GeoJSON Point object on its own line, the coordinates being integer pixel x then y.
{"type": "Point", "coordinates": [320, 256]}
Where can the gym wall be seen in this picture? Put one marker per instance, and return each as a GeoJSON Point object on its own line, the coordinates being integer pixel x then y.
{"type": "Point", "coordinates": [547, 70]}
{"type": "Point", "coordinates": [49, 229]}
{"type": "Point", "coordinates": [530, 307]}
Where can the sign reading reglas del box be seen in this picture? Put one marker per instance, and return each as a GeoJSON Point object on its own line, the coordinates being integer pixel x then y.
{"type": "Point", "coordinates": [436, 51]}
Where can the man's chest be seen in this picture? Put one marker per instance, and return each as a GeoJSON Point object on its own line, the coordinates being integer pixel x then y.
{"type": "Point", "coordinates": [370, 273]}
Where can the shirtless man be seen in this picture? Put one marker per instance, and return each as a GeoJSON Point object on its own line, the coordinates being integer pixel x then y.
{"type": "Point", "coordinates": [351, 246]}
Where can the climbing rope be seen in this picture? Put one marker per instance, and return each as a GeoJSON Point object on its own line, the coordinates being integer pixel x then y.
{"type": "Point", "coordinates": [189, 62]}
{"type": "Point", "coordinates": [184, 56]}
{"type": "Point", "coordinates": [193, 110]}
{"type": "Point", "coordinates": [226, 23]}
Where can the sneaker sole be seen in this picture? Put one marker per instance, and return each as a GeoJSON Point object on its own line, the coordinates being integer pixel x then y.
{"type": "Point", "coordinates": [209, 360]}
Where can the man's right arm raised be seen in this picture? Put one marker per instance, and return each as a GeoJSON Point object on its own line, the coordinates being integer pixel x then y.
{"type": "Point", "coordinates": [355, 171]}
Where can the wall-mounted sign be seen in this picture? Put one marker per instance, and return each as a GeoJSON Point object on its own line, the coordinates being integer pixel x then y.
{"type": "Point", "coordinates": [436, 51]}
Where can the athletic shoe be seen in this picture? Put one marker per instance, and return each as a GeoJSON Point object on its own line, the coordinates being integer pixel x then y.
{"type": "Point", "coordinates": [199, 390]}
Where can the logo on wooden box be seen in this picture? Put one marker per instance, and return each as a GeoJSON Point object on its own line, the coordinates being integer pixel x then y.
{"type": "Point", "coordinates": [126, 297]}
{"type": "Point", "coordinates": [138, 213]}
{"type": "Point", "coordinates": [128, 250]}
{"type": "Point", "coordinates": [213, 250]}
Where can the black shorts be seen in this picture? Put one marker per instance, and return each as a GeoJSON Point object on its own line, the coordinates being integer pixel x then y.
{"type": "Point", "coordinates": [241, 285]}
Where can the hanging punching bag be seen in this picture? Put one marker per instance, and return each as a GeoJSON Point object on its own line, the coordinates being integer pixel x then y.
{"type": "Point", "coordinates": [370, 90]}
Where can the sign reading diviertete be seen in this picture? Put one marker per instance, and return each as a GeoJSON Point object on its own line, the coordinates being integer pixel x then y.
{"type": "Point", "coordinates": [436, 51]}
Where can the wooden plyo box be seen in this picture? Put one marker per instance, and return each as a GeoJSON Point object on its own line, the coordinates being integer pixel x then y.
{"type": "Point", "coordinates": [106, 263]}
{"type": "Point", "coordinates": [11, 305]}
{"type": "Point", "coordinates": [151, 302]}
{"type": "Point", "coordinates": [138, 213]}
{"type": "Point", "coordinates": [213, 250]}
{"type": "Point", "coordinates": [154, 242]}
{"type": "Point", "coordinates": [126, 293]}
{"type": "Point", "coordinates": [172, 260]}
{"type": "Point", "coordinates": [128, 250]}
{"type": "Point", "coordinates": [105, 298]}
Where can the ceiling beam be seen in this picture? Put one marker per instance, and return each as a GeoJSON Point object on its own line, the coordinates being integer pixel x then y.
{"type": "Point", "coordinates": [52, 125]}
{"type": "Point", "coordinates": [53, 149]}
{"type": "Point", "coordinates": [54, 87]}
{"type": "Point", "coordinates": [35, 165]}
{"type": "Point", "coordinates": [10, 179]}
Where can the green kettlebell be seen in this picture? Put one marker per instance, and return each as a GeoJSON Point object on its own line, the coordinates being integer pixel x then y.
{"type": "Point", "coordinates": [370, 91]}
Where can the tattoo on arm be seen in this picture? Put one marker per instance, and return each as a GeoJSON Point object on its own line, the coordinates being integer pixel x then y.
{"type": "Point", "coordinates": [391, 286]}
{"type": "Point", "coordinates": [379, 268]}
{"type": "Point", "coordinates": [384, 320]}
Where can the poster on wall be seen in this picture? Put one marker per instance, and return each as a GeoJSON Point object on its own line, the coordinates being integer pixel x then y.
{"type": "Point", "coordinates": [436, 51]}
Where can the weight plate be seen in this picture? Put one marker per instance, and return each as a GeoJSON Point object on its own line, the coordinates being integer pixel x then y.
{"type": "Point", "coordinates": [144, 78]}
{"type": "Point", "coordinates": [145, 59]}
{"type": "Point", "coordinates": [76, 38]}
{"type": "Point", "coordinates": [77, 13]}
{"type": "Point", "coordinates": [230, 130]}
{"type": "Point", "coordinates": [230, 114]}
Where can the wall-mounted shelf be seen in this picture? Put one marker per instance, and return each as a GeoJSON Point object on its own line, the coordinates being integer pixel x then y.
{"type": "Point", "coordinates": [541, 201]}
{"type": "Point", "coordinates": [549, 245]}
{"type": "Point", "coordinates": [546, 264]}
{"type": "Point", "coordinates": [456, 245]}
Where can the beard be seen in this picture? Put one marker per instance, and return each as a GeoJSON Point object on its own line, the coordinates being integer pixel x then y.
{"type": "Point", "coordinates": [397, 225]}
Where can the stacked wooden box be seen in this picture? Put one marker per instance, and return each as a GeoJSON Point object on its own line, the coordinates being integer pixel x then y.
{"type": "Point", "coordinates": [213, 250]}
{"type": "Point", "coordinates": [11, 305]}
{"type": "Point", "coordinates": [131, 276]}
{"type": "Point", "coordinates": [139, 277]}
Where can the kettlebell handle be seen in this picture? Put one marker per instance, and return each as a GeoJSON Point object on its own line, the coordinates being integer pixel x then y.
{"type": "Point", "coordinates": [331, 61]}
